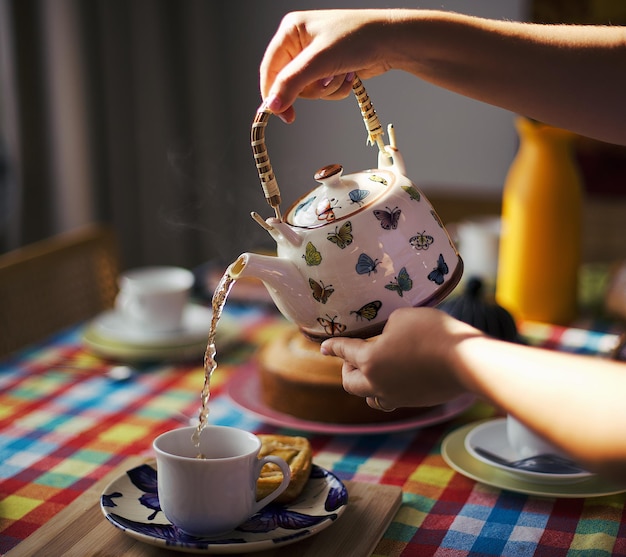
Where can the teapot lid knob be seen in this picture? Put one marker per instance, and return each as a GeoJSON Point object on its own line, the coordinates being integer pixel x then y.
{"type": "Point", "coordinates": [328, 171]}
{"type": "Point", "coordinates": [338, 197]}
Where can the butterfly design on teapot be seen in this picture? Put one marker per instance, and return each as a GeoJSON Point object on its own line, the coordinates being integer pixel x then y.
{"type": "Point", "coordinates": [353, 249]}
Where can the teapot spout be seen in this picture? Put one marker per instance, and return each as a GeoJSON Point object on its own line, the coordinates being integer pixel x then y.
{"type": "Point", "coordinates": [286, 286]}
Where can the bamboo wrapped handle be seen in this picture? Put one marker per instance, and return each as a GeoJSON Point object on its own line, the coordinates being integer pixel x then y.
{"type": "Point", "coordinates": [264, 167]}
{"type": "Point", "coordinates": [262, 160]}
{"type": "Point", "coordinates": [370, 118]}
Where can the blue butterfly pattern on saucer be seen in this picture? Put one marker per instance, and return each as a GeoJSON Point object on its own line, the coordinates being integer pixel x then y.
{"type": "Point", "coordinates": [321, 503]}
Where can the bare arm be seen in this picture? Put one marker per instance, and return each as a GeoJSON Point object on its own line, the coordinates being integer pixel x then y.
{"type": "Point", "coordinates": [577, 402]}
{"type": "Point", "coordinates": [424, 357]}
{"type": "Point", "coordinates": [569, 76]}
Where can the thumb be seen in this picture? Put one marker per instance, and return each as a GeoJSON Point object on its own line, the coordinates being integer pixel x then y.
{"type": "Point", "coordinates": [345, 348]}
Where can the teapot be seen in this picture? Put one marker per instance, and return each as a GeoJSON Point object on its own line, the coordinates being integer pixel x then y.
{"type": "Point", "coordinates": [356, 247]}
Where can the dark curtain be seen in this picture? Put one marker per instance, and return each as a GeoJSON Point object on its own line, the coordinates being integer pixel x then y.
{"type": "Point", "coordinates": [170, 89]}
{"type": "Point", "coordinates": [171, 127]}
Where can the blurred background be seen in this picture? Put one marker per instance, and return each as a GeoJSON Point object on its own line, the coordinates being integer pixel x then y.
{"type": "Point", "coordinates": [137, 114]}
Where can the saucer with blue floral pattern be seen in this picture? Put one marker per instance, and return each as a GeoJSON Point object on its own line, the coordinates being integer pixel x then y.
{"type": "Point", "coordinates": [131, 503]}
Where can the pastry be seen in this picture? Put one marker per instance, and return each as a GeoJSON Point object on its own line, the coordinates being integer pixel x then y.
{"type": "Point", "coordinates": [297, 452]}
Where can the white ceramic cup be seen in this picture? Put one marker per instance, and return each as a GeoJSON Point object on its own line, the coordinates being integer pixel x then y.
{"type": "Point", "coordinates": [478, 242]}
{"type": "Point", "coordinates": [153, 299]}
{"type": "Point", "coordinates": [212, 495]}
{"type": "Point", "coordinates": [525, 442]}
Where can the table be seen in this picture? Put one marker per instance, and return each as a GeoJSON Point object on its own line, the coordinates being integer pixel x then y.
{"type": "Point", "coordinates": [65, 423]}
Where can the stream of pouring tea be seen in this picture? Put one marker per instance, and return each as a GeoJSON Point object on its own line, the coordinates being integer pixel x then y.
{"type": "Point", "coordinates": [210, 364]}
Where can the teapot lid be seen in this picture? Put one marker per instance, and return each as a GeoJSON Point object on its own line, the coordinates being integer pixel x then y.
{"type": "Point", "coordinates": [339, 196]}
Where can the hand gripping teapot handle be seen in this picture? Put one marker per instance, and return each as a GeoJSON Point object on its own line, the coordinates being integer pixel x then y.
{"type": "Point", "coordinates": [264, 167]}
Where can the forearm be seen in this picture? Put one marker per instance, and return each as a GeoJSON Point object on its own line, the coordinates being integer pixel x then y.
{"type": "Point", "coordinates": [574, 401]}
{"type": "Point", "coordinates": [569, 76]}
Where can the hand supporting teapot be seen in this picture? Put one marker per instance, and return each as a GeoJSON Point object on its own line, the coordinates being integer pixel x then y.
{"type": "Point", "coordinates": [356, 247]}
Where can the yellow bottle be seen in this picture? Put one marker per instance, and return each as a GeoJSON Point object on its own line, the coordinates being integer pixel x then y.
{"type": "Point", "coordinates": [540, 244]}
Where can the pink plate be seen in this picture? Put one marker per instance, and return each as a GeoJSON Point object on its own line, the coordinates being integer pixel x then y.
{"type": "Point", "coordinates": [245, 392]}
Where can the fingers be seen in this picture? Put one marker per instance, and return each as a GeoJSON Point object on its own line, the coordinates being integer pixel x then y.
{"type": "Point", "coordinates": [350, 351]}
{"type": "Point", "coordinates": [355, 353]}
{"type": "Point", "coordinates": [375, 403]}
{"type": "Point", "coordinates": [329, 88]}
{"type": "Point", "coordinates": [343, 347]}
{"type": "Point", "coordinates": [334, 87]}
{"type": "Point", "coordinates": [287, 115]}
{"type": "Point", "coordinates": [285, 68]}
{"type": "Point", "coordinates": [295, 64]}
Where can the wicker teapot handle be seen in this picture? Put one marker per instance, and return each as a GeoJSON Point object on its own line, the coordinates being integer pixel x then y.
{"type": "Point", "coordinates": [263, 165]}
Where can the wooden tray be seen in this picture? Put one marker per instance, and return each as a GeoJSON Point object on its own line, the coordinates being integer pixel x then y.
{"type": "Point", "coordinates": [81, 530]}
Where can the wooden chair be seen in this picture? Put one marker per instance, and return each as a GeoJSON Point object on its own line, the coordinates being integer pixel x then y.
{"type": "Point", "coordinates": [52, 284]}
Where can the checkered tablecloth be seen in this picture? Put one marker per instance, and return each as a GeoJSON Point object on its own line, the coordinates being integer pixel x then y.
{"type": "Point", "coordinates": [65, 423]}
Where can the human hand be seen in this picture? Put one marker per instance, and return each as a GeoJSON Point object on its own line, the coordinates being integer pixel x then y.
{"type": "Point", "coordinates": [412, 363]}
{"type": "Point", "coordinates": [316, 54]}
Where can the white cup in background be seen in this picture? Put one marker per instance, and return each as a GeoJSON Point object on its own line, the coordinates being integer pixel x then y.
{"type": "Point", "coordinates": [212, 495]}
{"type": "Point", "coordinates": [153, 299]}
{"type": "Point", "coordinates": [526, 443]}
{"type": "Point", "coordinates": [478, 241]}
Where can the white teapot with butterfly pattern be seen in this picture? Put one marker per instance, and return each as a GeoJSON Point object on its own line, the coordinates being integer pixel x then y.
{"type": "Point", "coordinates": [356, 247]}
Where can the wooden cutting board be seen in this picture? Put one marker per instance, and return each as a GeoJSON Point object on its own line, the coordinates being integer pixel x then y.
{"type": "Point", "coordinates": [81, 530]}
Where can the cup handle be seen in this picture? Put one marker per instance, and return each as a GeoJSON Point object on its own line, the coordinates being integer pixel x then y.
{"type": "Point", "coordinates": [129, 306]}
{"type": "Point", "coordinates": [282, 464]}
{"type": "Point", "coordinates": [124, 302]}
